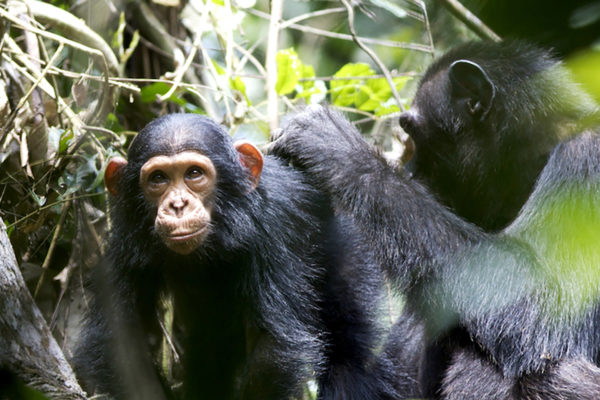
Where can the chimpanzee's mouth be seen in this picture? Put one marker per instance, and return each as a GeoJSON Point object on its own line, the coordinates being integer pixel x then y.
{"type": "Point", "coordinates": [185, 236]}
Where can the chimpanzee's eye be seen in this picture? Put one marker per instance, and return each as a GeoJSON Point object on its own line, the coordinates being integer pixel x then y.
{"type": "Point", "coordinates": [194, 172]}
{"type": "Point", "coordinates": [158, 177]}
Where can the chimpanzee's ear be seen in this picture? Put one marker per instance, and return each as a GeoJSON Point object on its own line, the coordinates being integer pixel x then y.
{"type": "Point", "coordinates": [113, 173]}
{"type": "Point", "coordinates": [251, 158]}
{"type": "Point", "coordinates": [470, 82]}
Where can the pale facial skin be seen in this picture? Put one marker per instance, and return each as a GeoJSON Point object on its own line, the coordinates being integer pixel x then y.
{"type": "Point", "coordinates": [181, 188]}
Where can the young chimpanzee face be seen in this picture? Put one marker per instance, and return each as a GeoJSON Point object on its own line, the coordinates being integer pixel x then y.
{"type": "Point", "coordinates": [180, 188]}
{"type": "Point", "coordinates": [178, 178]}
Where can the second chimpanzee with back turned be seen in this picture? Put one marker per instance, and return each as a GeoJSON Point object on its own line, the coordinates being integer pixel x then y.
{"type": "Point", "coordinates": [269, 286]}
{"type": "Point", "coordinates": [484, 120]}
{"type": "Point", "coordinates": [505, 316]}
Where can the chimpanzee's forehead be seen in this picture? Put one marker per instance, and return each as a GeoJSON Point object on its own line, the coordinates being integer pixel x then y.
{"type": "Point", "coordinates": [175, 133]}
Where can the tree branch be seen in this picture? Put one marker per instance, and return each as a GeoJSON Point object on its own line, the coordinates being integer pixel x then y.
{"type": "Point", "coordinates": [470, 20]}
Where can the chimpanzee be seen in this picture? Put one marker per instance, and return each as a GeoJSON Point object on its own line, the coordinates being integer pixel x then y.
{"type": "Point", "coordinates": [484, 120]}
{"type": "Point", "coordinates": [269, 286]}
{"type": "Point", "coordinates": [541, 304]}
{"type": "Point", "coordinates": [518, 324]}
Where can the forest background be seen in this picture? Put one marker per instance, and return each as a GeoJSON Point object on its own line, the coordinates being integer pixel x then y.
{"type": "Point", "coordinates": [79, 79]}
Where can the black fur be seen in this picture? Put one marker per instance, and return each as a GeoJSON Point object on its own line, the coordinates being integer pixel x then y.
{"type": "Point", "coordinates": [411, 234]}
{"type": "Point", "coordinates": [483, 165]}
{"type": "Point", "coordinates": [504, 301]}
{"type": "Point", "coordinates": [281, 288]}
{"type": "Point", "coordinates": [538, 319]}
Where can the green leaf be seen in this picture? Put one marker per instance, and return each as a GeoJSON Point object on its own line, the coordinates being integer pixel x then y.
{"type": "Point", "coordinates": [376, 94]}
{"type": "Point", "coordinates": [385, 110]}
{"type": "Point", "coordinates": [220, 70]}
{"type": "Point", "coordinates": [117, 37]}
{"type": "Point", "coordinates": [367, 99]}
{"type": "Point", "coordinates": [315, 94]}
{"type": "Point", "coordinates": [373, 94]}
{"type": "Point", "coordinates": [238, 84]}
{"type": "Point", "coordinates": [289, 70]}
{"type": "Point", "coordinates": [344, 92]}
{"type": "Point", "coordinates": [135, 40]}
{"type": "Point", "coordinates": [113, 123]}
{"type": "Point", "coordinates": [65, 140]}
{"type": "Point", "coordinates": [307, 72]}
{"type": "Point", "coordinates": [310, 90]}
{"type": "Point", "coordinates": [354, 69]}
{"type": "Point", "coordinates": [149, 92]}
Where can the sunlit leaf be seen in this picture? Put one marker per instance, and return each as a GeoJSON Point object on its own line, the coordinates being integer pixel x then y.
{"type": "Point", "coordinates": [289, 70]}
{"type": "Point", "coordinates": [585, 66]}
{"type": "Point", "coordinates": [307, 72]}
{"type": "Point", "coordinates": [344, 92]}
{"type": "Point", "coordinates": [238, 84]}
{"type": "Point", "coordinates": [220, 70]}
{"type": "Point", "coordinates": [385, 110]}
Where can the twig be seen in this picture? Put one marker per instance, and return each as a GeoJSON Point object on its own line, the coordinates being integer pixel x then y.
{"type": "Point", "coordinates": [73, 27]}
{"type": "Point", "coordinates": [46, 263]}
{"type": "Point", "coordinates": [181, 71]}
{"type": "Point", "coordinates": [313, 14]}
{"type": "Point", "coordinates": [271, 63]}
{"type": "Point", "coordinates": [425, 20]}
{"type": "Point", "coordinates": [228, 41]}
{"type": "Point", "coordinates": [151, 27]}
{"type": "Point", "coordinates": [31, 73]}
{"type": "Point", "coordinates": [248, 56]}
{"type": "Point", "coordinates": [102, 104]}
{"type": "Point", "coordinates": [343, 36]}
{"type": "Point", "coordinates": [372, 54]}
{"type": "Point", "coordinates": [118, 82]}
{"type": "Point", "coordinates": [351, 78]}
{"type": "Point", "coordinates": [102, 130]}
{"type": "Point", "coordinates": [39, 79]}
{"type": "Point", "coordinates": [248, 52]}
{"type": "Point", "coordinates": [470, 20]}
{"type": "Point", "coordinates": [53, 82]}
{"type": "Point", "coordinates": [47, 206]}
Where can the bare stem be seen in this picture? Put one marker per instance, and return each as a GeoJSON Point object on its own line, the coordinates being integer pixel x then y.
{"type": "Point", "coordinates": [470, 20]}
{"type": "Point", "coordinates": [271, 63]}
{"type": "Point", "coordinates": [63, 214]}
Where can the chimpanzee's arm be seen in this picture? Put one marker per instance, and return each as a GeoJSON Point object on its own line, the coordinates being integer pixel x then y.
{"type": "Point", "coordinates": [408, 227]}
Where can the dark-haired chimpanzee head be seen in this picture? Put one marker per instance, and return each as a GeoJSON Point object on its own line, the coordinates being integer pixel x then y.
{"type": "Point", "coordinates": [484, 120]}
{"type": "Point", "coordinates": [176, 166]}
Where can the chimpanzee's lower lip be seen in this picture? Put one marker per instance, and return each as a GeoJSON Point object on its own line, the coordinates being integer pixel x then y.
{"type": "Point", "coordinates": [180, 237]}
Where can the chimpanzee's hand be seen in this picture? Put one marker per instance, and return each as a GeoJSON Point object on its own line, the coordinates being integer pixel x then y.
{"type": "Point", "coordinates": [322, 142]}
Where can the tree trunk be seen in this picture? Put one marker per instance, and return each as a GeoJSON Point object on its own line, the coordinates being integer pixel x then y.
{"type": "Point", "coordinates": [27, 348]}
